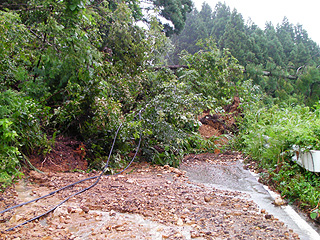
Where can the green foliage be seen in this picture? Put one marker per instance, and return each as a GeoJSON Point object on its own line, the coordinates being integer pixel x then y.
{"type": "Point", "coordinates": [308, 85]}
{"type": "Point", "coordinates": [24, 114]}
{"type": "Point", "coordinates": [13, 53]}
{"type": "Point", "coordinates": [169, 116]}
{"type": "Point", "coordinates": [79, 68]}
{"type": "Point", "coordinates": [124, 43]}
{"type": "Point", "coordinates": [195, 143]}
{"type": "Point", "coordinates": [174, 11]}
{"type": "Point", "coordinates": [281, 60]}
{"type": "Point", "coordinates": [212, 73]}
{"type": "Point", "coordinates": [9, 153]}
{"type": "Point", "coordinates": [269, 132]}
{"type": "Point", "coordinates": [268, 136]}
{"type": "Point", "coordinates": [128, 78]}
{"type": "Point", "coordinates": [298, 186]}
{"type": "Point", "coordinates": [315, 213]}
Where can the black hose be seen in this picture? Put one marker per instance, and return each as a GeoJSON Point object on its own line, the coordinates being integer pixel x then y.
{"type": "Point", "coordinates": [81, 191]}
{"type": "Point", "coordinates": [49, 194]}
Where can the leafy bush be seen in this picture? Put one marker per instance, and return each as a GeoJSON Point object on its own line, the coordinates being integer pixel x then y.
{"type": "Point", "coordinates": [268, 136]}
{"type": "Point", "coordinates": [13, 52]}
{"type": "Point", "coordinates": [211, 73]}
{"type": "Point", "coordinates": [9, 153]}
{"type": "Point", "coordinates": [169, 116]}
{"type": "Point", "coordinates": [24, 114]}
{"type": "Point", "coordinates": [298, 186]}
{"type": "Point", "coordinates": [269, 132]}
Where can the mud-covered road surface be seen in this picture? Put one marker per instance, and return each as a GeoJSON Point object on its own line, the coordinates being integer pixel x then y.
{"type": "Point", "coordinates": [221, 172]}
{"type": "Point", "coordinates": [147, 202]}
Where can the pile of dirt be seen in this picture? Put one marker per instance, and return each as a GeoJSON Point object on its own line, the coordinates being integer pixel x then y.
{"type": "Point", "coordinates": [217, 124]}
{"type": "Point", "coordinates": [65, 155]}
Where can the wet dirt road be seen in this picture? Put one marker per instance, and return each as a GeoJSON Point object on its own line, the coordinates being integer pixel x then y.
{"type": "Point", "coordinates": [232, 176]}
{"type": "Point", "coordinates": [146, 203]}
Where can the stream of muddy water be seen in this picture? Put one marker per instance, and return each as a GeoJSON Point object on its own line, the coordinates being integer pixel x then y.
{"type": "Point", "coordinates": [233, 177]}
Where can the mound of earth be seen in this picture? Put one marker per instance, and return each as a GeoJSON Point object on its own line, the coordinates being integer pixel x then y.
{"type": "Point", "coordinates": [217, 124]}
{"type": "Point", "coordinates": [66, 155]}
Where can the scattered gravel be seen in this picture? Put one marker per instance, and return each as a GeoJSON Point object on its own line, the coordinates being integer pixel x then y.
{"type": "Point", "coordinates": [149, 202]}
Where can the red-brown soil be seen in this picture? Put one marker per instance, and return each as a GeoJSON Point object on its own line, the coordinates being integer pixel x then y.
{"type": "Point", "coordinates": [66, 155]}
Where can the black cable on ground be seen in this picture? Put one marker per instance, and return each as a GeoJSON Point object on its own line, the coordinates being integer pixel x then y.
{"type": "Point", "coordinates": [49, 194]}
{"type": "Point", "coordinates": [83, 180]}
{"type": "Point", "coordinates": [79, 192]}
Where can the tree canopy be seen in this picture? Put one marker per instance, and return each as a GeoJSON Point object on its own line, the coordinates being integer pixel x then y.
{"type": "Point", "coordinates": [276, 57]}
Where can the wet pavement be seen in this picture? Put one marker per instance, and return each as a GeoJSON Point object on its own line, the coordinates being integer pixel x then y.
{"type": "Point", "coordinates": [233, 177]}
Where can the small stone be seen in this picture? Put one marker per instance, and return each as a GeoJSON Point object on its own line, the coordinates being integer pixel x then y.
{"type": "Point", "coordinates": [268, 216]}
{"type": "Point", "coordinates": [263, 211]}
{"type": "Point", "coordinates": [61, 219]}
{"type": "Point", "coordinates": [78, 210]}
{"type": "Point", "coordinates": [194, 234]}
{"type": "Point", "coordinates": [179, 222]}
{"type": "Point", "coordinates": [177, 171]}
{"type": "Point", "coordinates": [166, 167]}
{"type": "Point", "coordinates": [60, 211]}
{"type": "Point", "coordinates": [207, 198]}
{"type": "Point", "coordinates": [269, 229]}
{"type": "Point", "coordinates": [120, 229]}
{"type": "Point", "coordinates": [130, 181]}
{"type": "Point", "coordinates": [38, 177]}
{"type": "Point", "coordinates": [18, 217]}
{"type": "Point", "coordinates": [85, 209]}
{"type": "Point", "coordinates": [279, 201]}
{"type": "Point", "coordinates": [165, 236]}
{"type": "Point", "coordinates": [71, 210]}
{"type": "Point", "coordinates": [185, 210]}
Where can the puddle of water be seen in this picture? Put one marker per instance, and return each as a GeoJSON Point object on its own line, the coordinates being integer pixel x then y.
{"type": "Point", "coordinates": [235, 178]}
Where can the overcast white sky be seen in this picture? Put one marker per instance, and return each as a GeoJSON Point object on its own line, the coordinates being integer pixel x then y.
{"type": "Point", "coordinates": [306, 12]}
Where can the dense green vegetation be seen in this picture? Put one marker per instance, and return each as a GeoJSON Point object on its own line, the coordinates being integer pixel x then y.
{"type": "Point", "coordinates": [282, 63]}
{"type": "Point", "coordinates": [271, 136]}
{"type": "Point", "coordinates": [78, 68]}
{"type": "Point", "coordinates": [282, 60]}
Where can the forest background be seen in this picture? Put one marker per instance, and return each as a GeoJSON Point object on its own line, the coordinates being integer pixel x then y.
{"type": "Point", "coordinates": [79, 68]}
